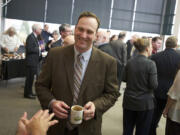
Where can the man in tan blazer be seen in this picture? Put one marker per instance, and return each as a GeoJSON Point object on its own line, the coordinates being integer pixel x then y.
{"type": "Point", "coordinates": [98, 89]}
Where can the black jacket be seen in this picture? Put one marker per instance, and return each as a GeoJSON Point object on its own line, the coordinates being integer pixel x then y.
{"type": "Point", "coordinates": [116, 49]}
{"type": "Point", "coordinates": [167, 63]}
{"type": "Point", "coordinates": [32, 51]}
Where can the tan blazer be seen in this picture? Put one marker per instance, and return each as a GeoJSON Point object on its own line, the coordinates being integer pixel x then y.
{"type": "Point", "coordinates": [99, 86]}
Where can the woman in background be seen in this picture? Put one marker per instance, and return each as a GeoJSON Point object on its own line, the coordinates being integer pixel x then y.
{"type": "Point", "coordinates": [10, 41]}
{"type": "Point", "coordinates": [113, 38]}
{"type": "Point", "coordinates": [140, 76]}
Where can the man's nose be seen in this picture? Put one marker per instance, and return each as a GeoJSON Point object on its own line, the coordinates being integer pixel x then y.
{"type": "Point", "coordinates": [83, 34]}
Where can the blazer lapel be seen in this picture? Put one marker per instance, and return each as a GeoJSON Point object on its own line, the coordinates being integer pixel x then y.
{"type": "Point", "coordinates": [89, 71]}
{"type": "Point", "coordinates": [69, 66]}
{"type": "Point", "coordinates": [35, 39]}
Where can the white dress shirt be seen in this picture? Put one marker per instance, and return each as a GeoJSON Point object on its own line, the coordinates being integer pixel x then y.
{"type": "Point", "coordinates": [174, 93]}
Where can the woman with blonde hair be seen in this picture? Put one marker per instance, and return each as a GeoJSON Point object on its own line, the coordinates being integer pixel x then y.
{"type": "Point", "coordinates": [9, 41]}
{"type": "Point", "coordinates": [140, 75]}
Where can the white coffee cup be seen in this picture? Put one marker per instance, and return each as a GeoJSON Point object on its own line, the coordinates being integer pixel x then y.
{"type": "Point", "coordinates": [76, 114]}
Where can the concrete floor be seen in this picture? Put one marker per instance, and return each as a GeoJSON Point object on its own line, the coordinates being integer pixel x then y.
{"type": "Point", "coordinates": [12, 106]}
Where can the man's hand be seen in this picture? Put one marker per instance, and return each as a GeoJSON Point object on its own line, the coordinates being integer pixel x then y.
{"type": "Point", "coordinates": [89, 111]}
{"type": "Point", "coordinates": [60, 109]}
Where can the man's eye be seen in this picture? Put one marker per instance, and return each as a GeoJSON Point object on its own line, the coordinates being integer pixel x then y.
{"type": "Point", "coordinates": [89, 32]}
{"type": "Point", "coordinates": [80, 29]}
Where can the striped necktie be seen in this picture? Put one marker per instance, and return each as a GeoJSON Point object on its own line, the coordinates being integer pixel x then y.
{"type": "Point", "coordinates": [78, 69]}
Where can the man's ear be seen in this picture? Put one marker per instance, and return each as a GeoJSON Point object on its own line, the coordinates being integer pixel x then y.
{"type": "Point", "coordinates": [95, 36]}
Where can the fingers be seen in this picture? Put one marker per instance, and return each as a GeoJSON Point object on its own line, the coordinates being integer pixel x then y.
{"type": "Point", "coordinates": [45, 114]}
{"type": "Point", "coordinates": [88, 105]}
{"type": "Point", "coordinates": [51, 123]}
{"type": "Point", "coordinates": [25, 121]}
{"type": "Point", "coordinates": [87, 118]}
{"type": "Point", "coordinates": [60, 109]}
{"type": "Point", "coordinates": [88, 114]}
{"type": "Point", "coordinates": [64, 105]}
{"type": "Point", "coordinates": [60, 114]}
{"type": "Point", "coordinates": [38, 114]}
{"type": "Point", "coordinates": [24, 115]}
{"type": "Point", "coordinates": [89, 111]}
{"type": "Point", "coordinates": [51, 116]}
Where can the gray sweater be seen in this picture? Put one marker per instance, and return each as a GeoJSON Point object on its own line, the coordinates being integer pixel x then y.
{"type": "Point", "coordinates": [140, 74]}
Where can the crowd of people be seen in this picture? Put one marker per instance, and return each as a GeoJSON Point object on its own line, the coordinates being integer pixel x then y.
{"type": "Point", "coordinates": [86, 66]}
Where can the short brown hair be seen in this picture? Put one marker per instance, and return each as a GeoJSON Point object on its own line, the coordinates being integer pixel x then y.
{"type": "Point", "coordinates": [122, 35]}
{"type": "Point", "coordinates": [171, 42]}
{"type": "Point", "coordinates": [141, 44]}
{"type": "Point", "coordinates": [154, 39]}
{"type": "Point", "coordinates": [89, 14]}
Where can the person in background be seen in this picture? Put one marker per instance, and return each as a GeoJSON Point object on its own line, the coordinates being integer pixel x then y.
{"type": "Point", "coordinates": [79, 74]}
{"type": "Point", "coordinates": [108, 35]}
{"type": "Point", "coordinates": [117, 49]}
{"type": "Point", "coordinates": [9, 41]}
{"type": "Point", "coordinates": [167, 63]}
{"type": "Point", "coordinates": [156, 44]}
{"type": "Point", "coordinates": [37, 125]}
{"type": "Point", "coordinates": [55, 39]}
{"type": "Point", "coordinates": [178, 49]}
{"type": "Point", "coordinates": [46, 34]}
{"type": "Point", "coordinates": [64, 31]}
{"type": "Point", "coordinates": [140, 75]}
{"type": "Point", "coordinates": [69, 40]}
{"type": "Point", "coordinates": [41, 42]}
{"type": "Point", "coordinates": [130, 44]}
{"type": "Point", "coordinates": [114, 37]}
{"type": "Point", "coordinates": [172, 109]}
{"type": "Point", "coordinates": [101, 38]}
{"type": "Point", "coordinates": [134, 51]}
{"type": "Point", "coordinates": [33, 55]}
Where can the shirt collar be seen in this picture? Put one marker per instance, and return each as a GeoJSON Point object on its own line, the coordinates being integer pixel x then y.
{"type": "Point", "coordinates": [35, 34]}
{"type": "Point", "coordinates": [86, 55]}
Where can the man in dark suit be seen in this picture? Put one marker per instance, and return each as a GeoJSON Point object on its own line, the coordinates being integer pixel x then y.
{"type": "Point", "coordinates": [64, 31]}
{"type": "Point", "coordinates": [46, 34]}
{"type": "Point", "coordinates": [117, 49]}
{"type": "Point", "coordinates": [167, 63]}
{"type": "Point", "coordinates": [95, 88]}
{"type": "Point", "coordinates": [32, 60]}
